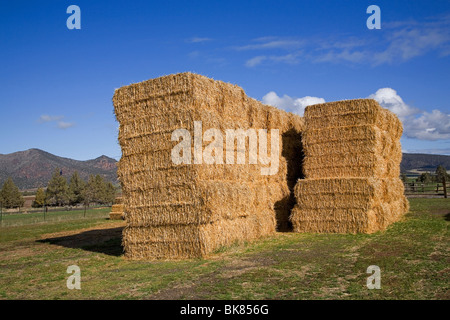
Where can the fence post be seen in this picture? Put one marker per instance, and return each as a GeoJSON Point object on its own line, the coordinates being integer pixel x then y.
{"type": "Point", "coordinates": [444, 183]}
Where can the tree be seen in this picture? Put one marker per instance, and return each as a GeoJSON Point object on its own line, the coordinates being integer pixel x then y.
{"type": "Point", "coordinates": [441, 173]}
{"type": "Point", "coordinates": [39, 201]}
{"type": "Point", "coordinates": [76, 189]}
{"type": "Point", "coordinates": [110, 193]}
{"type": "Point", "coordinates": [57, 189]}
{"type": "Point", "coordinates": [99, 191]}
{"type": "Point", "coordinates": [10, 196]}
{"type": "Point", "coordinates": [94, 189]}
{"type": "Point", "coordinates": [403, 177]}
{"type": "Point", "coordinates": [88, 192]}
{"type": "Point", "coordinates": [425, 178]}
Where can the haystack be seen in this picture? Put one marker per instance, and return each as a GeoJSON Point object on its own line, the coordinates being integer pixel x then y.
{"type": "Point", "coordinates": [351, 166]}
{"type": "Point", "coordinates": [189, 210]}
{"type": "Point", "coordinates": [117, 212]}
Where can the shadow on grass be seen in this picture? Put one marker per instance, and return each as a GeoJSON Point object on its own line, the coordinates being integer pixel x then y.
{"type": "Point", "coordinates": [447, 217]}
{"type": "Point", "coordinates": [106, 241]}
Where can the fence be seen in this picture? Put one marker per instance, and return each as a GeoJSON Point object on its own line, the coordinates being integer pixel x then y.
{"type": "Point", "coordinates": [8, 219]}
{"type": "Point", "coordinates": [426, 189]}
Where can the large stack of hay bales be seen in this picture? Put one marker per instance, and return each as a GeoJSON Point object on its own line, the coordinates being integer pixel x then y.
{"type": "Point", "coordinates": [189, 210]}
{"type": "Point", "coordinates": [351, 165]}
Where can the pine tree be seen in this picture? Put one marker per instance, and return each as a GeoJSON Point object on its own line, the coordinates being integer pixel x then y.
{"type": "Point", "coordinates": [89, 191]}
{"type": "Point", "coordinates": [110, 193]}
{"type": "Point", "coordinates": [99, 191]}
{"type": "Point", "coordinates": [57, 189]}
{"type": "Point", "coordinates": [10, 196]}
{"type": "Point", "coordinates": [425, 178]}
{"type": "Point", "coordinates": [441, 174]}
{"type": "Point", "coordinates": [39, 201]}
{"type": "Point", "coordinates": [76, 188]}
{"type": "Point", "coordinates": [403, 177]}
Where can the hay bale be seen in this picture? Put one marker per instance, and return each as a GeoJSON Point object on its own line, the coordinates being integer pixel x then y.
{"type": "Point", "coordinates": [117, 212]}
{"type": "Point", "coordinates": [189, 210]}
{"type": "Point", "coordinates": [182, 241]}
{"type": "Point", "coordinates": [347, 205]}
{"type": "Point", "coordinates": [352, 166]}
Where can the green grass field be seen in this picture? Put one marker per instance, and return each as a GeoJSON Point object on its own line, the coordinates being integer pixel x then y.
{"type": "Point", "coordinates": [20, 219]}
{"type": "Point", "coordinates": [413, 256]}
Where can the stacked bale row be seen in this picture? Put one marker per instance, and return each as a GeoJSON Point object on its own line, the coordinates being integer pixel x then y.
{"type": "Point", "coordinates": [117, 212]}
{"type": "Point", "coordinates": [351, 165]}
{"type": "Point", "coordinates": [189, 210]}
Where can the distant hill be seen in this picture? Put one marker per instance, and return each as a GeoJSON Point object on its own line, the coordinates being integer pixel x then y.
{"type": "Point", "coordinates": [424, 162]}
{"type": "Point", "coordinates": [33, 168]}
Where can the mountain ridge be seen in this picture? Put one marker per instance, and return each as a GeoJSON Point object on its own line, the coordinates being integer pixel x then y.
{"type": "Point", "coordinates": [34, 167]}
{"type": "Point", "coordinates": [424, 162]}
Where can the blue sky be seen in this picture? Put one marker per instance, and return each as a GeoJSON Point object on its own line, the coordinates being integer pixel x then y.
{"type": "Point", "coordinates": [57, 84]}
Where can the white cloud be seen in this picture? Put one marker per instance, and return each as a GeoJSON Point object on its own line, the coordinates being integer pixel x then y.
{"type": "Point", "coordinates": [402, 41]}
{"type": "Point", "coordinates": [388, 98]}
{"type": "Point", "coordinates": [46, 118]}
{"type": "Point", "coordinates": [58, 119]}
{"type": "Point", "coordinates": [417, 124]}
{"type": "Point", "coordinates": [287, 103]}
{"type": "Point", "coordinates": [271, 43]}
{"type": "Point", "coordinates": [428, 126]}
{"type": "Point", "coordinates": [255, 61]}
{"type": "Point", "coordinates": [290, 58]}
{"type": "Point", "coordinates": [347, 43]}
{"type": "Point", "coordinates": [272, 99]}
{"type": "Point", "coordinates": [407, 43]}
{"type": "Point", "coordinates": [198, 39]}
{"type": "Point", "coordinates": [345, 55]}
{"type": "Point", "coordinates": [302, 103]}
{"type": "Point", "coordinates": [65, 125]}
{"type": "Point", "coordinates": [194, 54]}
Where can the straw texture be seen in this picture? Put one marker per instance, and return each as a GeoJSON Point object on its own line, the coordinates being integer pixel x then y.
{"type": "Point", "coordinates": [177, 211]}
{"type": "Point", "coordinates": [117, 210]}
{"type": "Point", "coordinates": [352, 166]}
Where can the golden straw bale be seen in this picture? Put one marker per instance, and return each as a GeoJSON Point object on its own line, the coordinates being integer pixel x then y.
{"type": "Point", "coordinates": [117, 210]}
{"type": "Point", "coordinates": [192, 241]}
{"type": "Point", "coordinates": [191, 209]}
{"type": "Point", "coordinates": [352, 166]}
